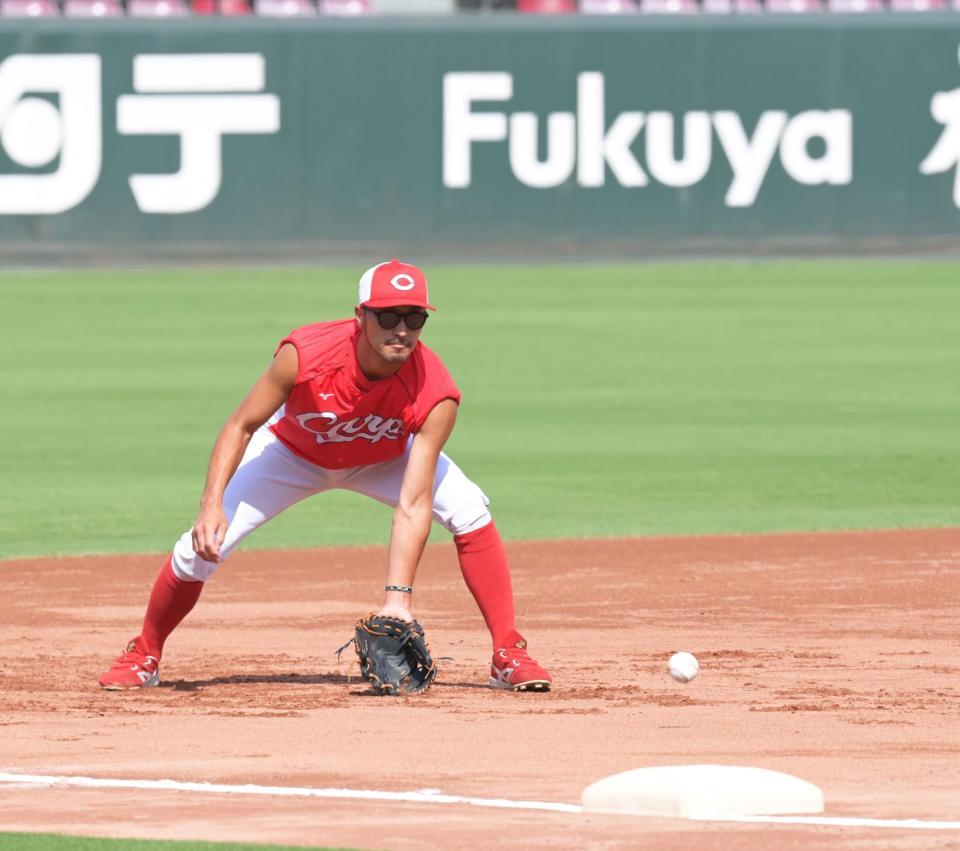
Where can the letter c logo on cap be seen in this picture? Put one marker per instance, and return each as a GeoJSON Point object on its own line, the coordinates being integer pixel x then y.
{"type": "Point", "coordinates": [403, 276]}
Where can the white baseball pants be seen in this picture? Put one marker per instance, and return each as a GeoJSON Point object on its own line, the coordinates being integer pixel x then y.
{"type": "Point", "coordinates": [271, 478]}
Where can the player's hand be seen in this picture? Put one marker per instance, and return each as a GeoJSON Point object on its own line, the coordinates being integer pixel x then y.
{"type": "Point", "coordinates": [209, 532]}
{"type": "Point", "coordinates": [396, 610]}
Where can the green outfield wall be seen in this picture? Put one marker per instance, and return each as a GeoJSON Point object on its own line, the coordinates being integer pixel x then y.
{"type": "Point", "coordinates": [478, 136]}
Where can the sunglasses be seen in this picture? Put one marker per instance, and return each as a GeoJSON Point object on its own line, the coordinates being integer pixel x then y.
{"type": "Point", "coordinates": [391, 319]}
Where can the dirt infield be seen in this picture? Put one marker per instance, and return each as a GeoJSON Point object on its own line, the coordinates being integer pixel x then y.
{"type": "Point", "coordinates": [830, 656]}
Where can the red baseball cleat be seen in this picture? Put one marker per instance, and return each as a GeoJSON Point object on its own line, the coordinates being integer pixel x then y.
{"type": "Point", "coordinates": [132, 669]}
{"type": "Point", "coordinates": [512, 667]}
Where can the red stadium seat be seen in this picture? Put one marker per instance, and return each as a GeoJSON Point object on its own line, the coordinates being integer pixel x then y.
{"type": "Point", "coordinates": [608, 7]}
{"type": "Point", "coordinates": [29, 9]}
{"type": "Point", "coordinates": [546, 7]}
{"type": "Point", "coordinates": [220, 7]}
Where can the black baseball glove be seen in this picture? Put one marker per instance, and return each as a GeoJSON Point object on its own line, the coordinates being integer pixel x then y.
{"type": "Point", "coordinates": [394, 655]}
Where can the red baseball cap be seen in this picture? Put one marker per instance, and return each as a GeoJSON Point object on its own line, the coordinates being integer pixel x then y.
{"type": "Point", "coordinates": [393, 284]}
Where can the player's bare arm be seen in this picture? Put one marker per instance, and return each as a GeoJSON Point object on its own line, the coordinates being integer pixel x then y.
{"type": "Point", "coordinates": [268, 393]}
{"type": "Point", "coordinates": [414, 512]}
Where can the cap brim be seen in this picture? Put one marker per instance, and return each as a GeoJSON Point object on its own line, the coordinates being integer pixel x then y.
{"type": "Point", "coordinates": [397, 301]}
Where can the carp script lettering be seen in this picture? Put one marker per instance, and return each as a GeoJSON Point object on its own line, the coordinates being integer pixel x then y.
{"type": "Point", "coordinates": [371, 427]}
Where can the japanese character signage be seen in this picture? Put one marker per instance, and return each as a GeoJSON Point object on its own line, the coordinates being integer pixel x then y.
{"type": "Point", "coordinates": [197, 97]}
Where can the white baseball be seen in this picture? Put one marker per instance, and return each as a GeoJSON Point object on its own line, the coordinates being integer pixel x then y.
{"type": "Point", "coordinates": [683, 667]}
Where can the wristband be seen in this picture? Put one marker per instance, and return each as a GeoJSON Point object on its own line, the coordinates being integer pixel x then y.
{"type": "Point", "coordinates": [405, 589]}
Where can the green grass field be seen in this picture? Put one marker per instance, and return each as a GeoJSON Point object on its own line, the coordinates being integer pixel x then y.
{"type": "Point", "coordinates": [598, 400]}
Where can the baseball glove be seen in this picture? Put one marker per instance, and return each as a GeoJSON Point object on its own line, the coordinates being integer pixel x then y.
{"type": "Point", "coordinates": [394, 655]}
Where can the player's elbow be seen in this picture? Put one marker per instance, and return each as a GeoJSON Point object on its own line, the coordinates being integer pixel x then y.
{"type": "Point", "coordinates": [415, 512]}
{"type": "Point", "coordinates": [242, 425]}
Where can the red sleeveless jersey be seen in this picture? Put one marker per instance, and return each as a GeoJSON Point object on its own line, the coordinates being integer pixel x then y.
{"type": "Point", "coordinates": [336, 417]}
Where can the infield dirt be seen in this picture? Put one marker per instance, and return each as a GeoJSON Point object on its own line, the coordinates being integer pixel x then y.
{"type": "Point", "coordinates": [830, 656]}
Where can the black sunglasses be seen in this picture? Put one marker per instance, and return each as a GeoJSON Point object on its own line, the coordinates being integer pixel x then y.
{"type": "Point", "coordinates": [391, 319]}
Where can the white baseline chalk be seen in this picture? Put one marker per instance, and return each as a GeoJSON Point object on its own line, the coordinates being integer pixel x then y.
{"type": "Point", "coordinates": [845, 821]}
{"type": "Point", "coordinates": [429, 796]}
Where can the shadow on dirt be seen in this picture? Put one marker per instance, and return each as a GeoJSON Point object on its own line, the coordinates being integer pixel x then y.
{"type": "Point", "coordinates": [294, 679]}
{"type": "Point", "coordinates": [260, 679]}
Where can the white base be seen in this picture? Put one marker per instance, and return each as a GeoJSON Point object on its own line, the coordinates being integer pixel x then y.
{"type": "Point", "coordinates": [702, 792]}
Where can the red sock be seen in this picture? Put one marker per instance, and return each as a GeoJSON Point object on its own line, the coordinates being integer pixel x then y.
{"type": "Point", "coordinates": [483, 562]}
{"type": "Point", "coordinates": [170, 601]}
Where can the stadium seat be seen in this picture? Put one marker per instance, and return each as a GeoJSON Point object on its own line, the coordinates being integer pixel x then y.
{"type": "Point", "coordinates": [415, 7]}
{"type": "Point", "coordinates": [727, 7]}
{"type": "Point", "coordinates": [546, 7]}
{"type": "Point", "coordinates": [669, 7]}
{"type": "Point", "coordinates": [284, 8]}
{"type": "Point", "coordinates": [220, 7]}
{"type": "Point", "coordinates": [917, 5]}
{"type": "Point", "coordinates": [157, 8]}
{"type": "Point", "coordinates": [29, 9]}
{"type": "Point", "coordinates": [608, 7]}
{"type": "Point", "coordinates": [345, 8]}
{"type": "Point", "coordinates": [485, 5]}
{"type": "Point", "coordinates": [92, 8]}
{"type": "Point", "coordinates": [794, 7]}
{"type": "Point", "coordinates": [847, 6]}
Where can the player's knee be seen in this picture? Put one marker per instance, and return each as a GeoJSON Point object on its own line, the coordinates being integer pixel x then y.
{"type": "Point", "coordinates": [187, 565]}
{"type": "Point", "coordinates": [478, 522]}
{"type": "Point", "coordinates": [469, 514]}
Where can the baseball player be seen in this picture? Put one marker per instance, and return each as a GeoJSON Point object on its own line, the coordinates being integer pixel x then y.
{"type": "Point", "coordinates": [359, 404]}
